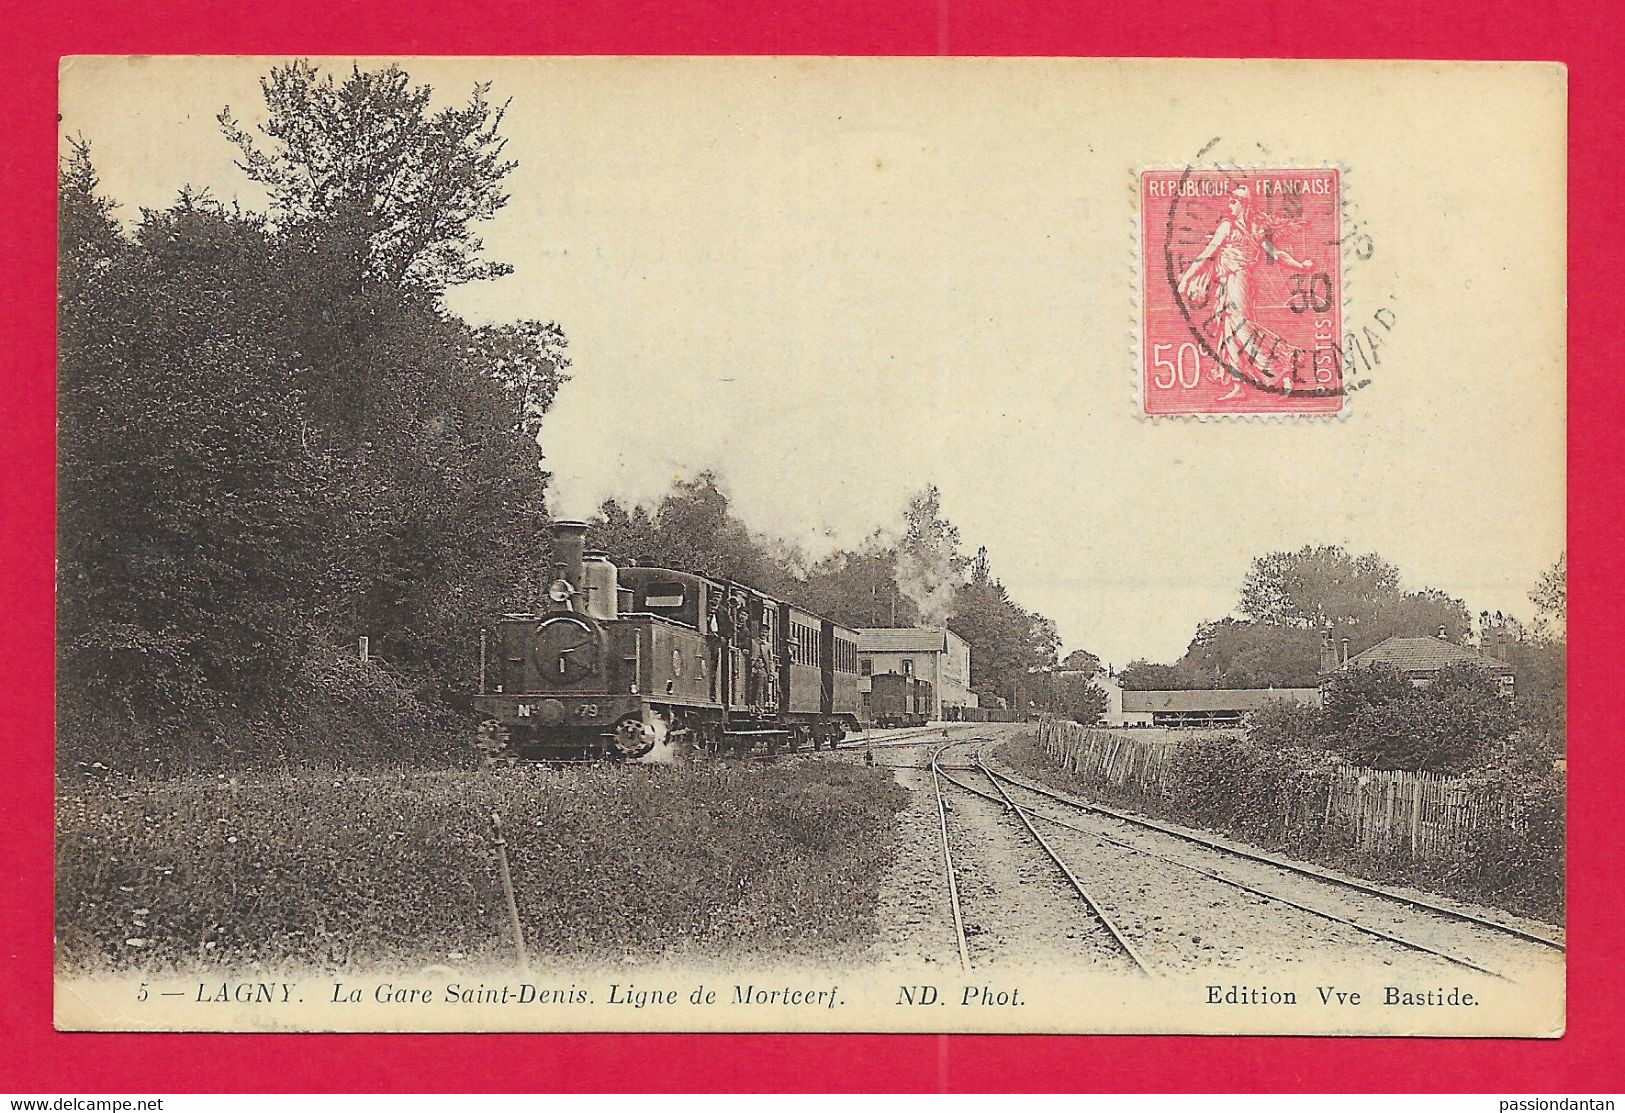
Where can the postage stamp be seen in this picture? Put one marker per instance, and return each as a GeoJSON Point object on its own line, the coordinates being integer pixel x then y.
{"type": "Point", "coordinates": [1242, 288]}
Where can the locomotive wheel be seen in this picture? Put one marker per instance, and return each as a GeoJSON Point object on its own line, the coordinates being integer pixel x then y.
{"type": "Point", "coordinates": [631, 740]}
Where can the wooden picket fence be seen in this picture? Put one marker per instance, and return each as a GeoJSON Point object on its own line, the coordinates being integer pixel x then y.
{"type": "Point", "coordinates": [1386, 812]}
{"type": "Point", "coordinates": [1114, 757]}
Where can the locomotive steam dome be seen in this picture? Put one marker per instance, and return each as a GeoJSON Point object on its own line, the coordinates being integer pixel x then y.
{"type": "Point", "coordinates": [600, 584]}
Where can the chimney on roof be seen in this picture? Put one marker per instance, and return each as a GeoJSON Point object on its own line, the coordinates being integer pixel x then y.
{"type": "Point", "coordinates": [1328, 652]}
{"type": "Point", "coordinates": [1444, 637]}
{"type": "Point", "coordinates": [1345, 650]}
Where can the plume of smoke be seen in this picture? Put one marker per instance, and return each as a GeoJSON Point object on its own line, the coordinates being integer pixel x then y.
{"type": "Point", "coordinates": [930, 580]}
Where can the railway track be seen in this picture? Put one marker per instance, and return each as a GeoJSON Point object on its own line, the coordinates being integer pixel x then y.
{"type": "Point", "coordinates": [939, 775]}
{"type": "Point", "coordinates": [900, 739]}
{"type": "Point", "coordinates": [948, 861]}
{"type": "Point", "coordinates": [1030, 816]}
{"type": "Point", "coordinates": [1366, 888]}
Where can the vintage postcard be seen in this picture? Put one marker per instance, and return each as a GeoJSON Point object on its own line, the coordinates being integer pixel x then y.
{"type": "Point", "coordinates": [788, 544]}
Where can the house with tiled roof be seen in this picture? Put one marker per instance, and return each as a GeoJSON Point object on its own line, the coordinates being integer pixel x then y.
{"type": "Point", "coordinates": [1419, 659]}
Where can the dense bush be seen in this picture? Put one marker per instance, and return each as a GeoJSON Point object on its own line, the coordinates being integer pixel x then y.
{"type": "Point", "coordinates": [1521, 862]}
{"type": "Point", "coordinates": [334, 710]}
{"type": "Point", "coordinates": [1229, 784]}
{"type": "Point", "coordinates": [1280, 724]}
{"type": "Point", "coordinates": [706, 860]}
{"type": "Point", "coordinates": [1375, 717]}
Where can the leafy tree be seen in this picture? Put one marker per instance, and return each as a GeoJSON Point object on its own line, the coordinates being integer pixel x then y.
{"type": "Point", "coordinates": [1290, 599]}
{"type": "Point", "coordinates": [274, 437]}
{"type": "Point", "coordinates": [86, 230]}
{"type": "Point", "coordinates": [1080, 699]}
{"type": "Point", "coordinates": [1145, 676]}
{"type": "Point", "coordinates": [1240, 653]}
{"type": "Point", "coordinates": [528, 359]}
{"type": "Point", "coordinates": [1551, 600]}
{"type": "Point", "coordinates": [1460, 715]}
{"type": "Point", "coordinates": [367, 166]}
{"type": "Point", "coordinates": [694, 528]}
{"type": "Point", "coordinates": [1081, 660]}
{"type": "Point", "coordinates": [185, 498]}
{"type": "Point", "coordinates": [1378, 718]}
{"type": "Point", "coordinates": [628, 536]}
{"type": "Point", "coordinates": [1413, 614]}
{"type": "Point", "coordinates": [859, 587]}
{"type": "Point", "coordinates": [1357, 596]}
{"type": "Point", "coordinates": [1006, 640]}
{"type": "Point", "coordinates": [1467, 709]}
{"type": "Point", "coordinates": [1386, 734]}
{"type": "Point", "coordinates": [1283, 725]}
{"type": "Point", "coordinates": [439, 522]}
{"type": "Point", "coordinates": [1540, 667]}
{"type": "Point", "coordinates": [1316, 586]}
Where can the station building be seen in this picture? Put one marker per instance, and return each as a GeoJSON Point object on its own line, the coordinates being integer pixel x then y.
{"type": "Point", "coordinates": [932, 653]}
{"type": "Point", "coordinates": [1204, 707]}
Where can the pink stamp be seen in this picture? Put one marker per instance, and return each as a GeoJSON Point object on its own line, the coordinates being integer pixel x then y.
{"type": "Point", "coordinates": [1242, 292]}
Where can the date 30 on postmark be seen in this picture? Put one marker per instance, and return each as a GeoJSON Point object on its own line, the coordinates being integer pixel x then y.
{"type": "Point", "coordinates": [1241, 292]}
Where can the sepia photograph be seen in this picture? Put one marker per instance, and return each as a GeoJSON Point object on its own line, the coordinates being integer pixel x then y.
{"type": "Point", "coordinates": [939, 545]}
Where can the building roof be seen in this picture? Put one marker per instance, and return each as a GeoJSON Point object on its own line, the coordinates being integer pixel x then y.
{"type": "Point", "coordinates": [902, 639]}
{"type": "Point", "coordinates": [1424, 654]}
{"type": "Point", "coordinates": [1216, 699]}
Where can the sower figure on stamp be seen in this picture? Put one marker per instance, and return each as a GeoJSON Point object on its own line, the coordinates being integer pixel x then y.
{"type": "Point", "coordinates": [1224, 272]}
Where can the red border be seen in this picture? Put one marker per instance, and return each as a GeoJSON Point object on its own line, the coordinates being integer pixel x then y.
{"type": "Point", "coordinates": [35, 1059]}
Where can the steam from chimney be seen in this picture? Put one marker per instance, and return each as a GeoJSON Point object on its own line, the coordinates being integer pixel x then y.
{"type": "Point", "coordinates": [930, 582]}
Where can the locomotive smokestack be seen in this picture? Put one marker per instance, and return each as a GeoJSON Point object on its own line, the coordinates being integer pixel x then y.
{"type": "Point", "coordinates": [569, 541]}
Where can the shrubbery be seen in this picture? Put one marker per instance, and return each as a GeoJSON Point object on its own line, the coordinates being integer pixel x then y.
{"type": "Point", "coordinates": [1374, 717]}
{"type": "Point", "coordinates": [335, 711]}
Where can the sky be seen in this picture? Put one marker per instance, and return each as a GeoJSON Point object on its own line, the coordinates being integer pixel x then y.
{"type": "Point", "coordinates": [837, 281]}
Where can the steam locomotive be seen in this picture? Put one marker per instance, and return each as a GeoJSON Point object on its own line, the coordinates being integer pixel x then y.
{"type": "Point", "coordinates": [635, 664]}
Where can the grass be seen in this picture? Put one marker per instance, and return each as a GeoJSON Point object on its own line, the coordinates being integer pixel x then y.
{"type": "Point", "coordinates": [326, 869]}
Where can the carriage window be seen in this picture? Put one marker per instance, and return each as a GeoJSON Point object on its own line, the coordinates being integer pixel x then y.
{"type": "Point", "coordinates": [663, 595]}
